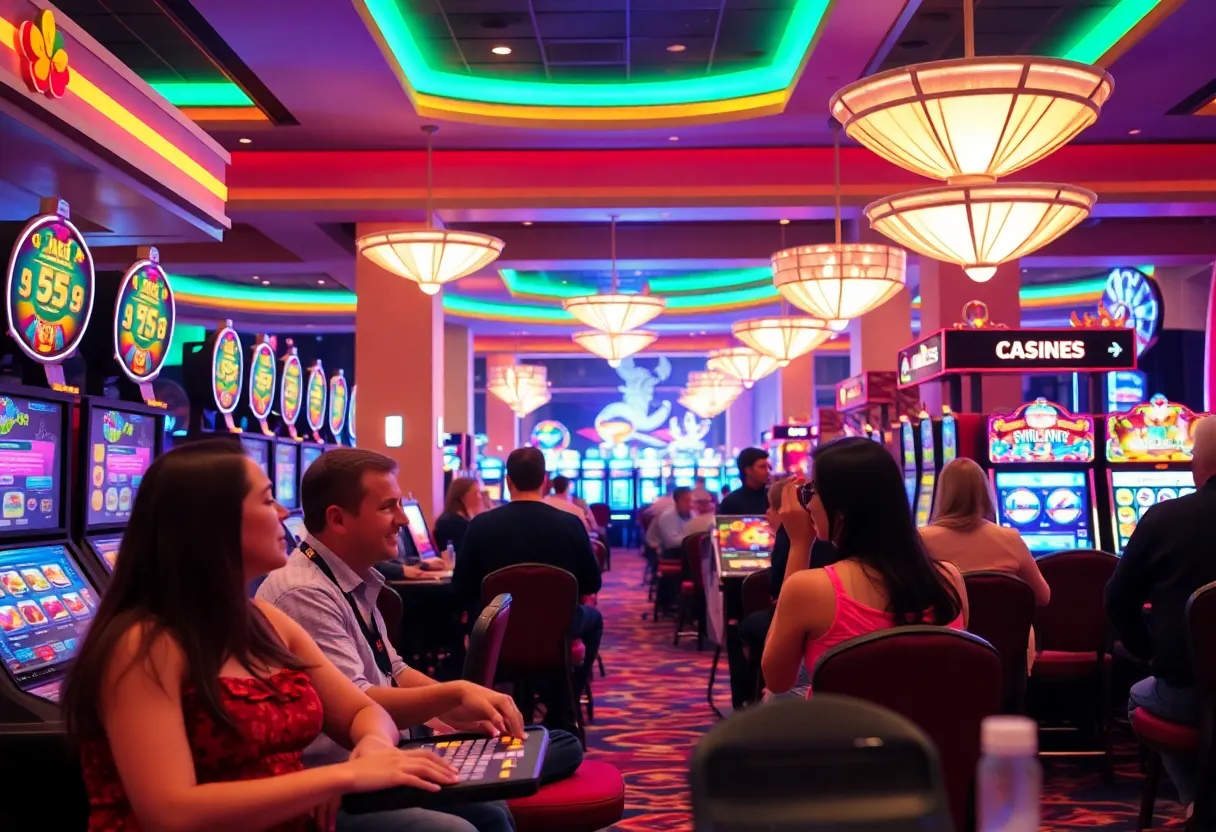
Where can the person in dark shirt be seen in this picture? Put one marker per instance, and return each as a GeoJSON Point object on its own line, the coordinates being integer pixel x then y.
{"type": "Point", "coordinates": [526, 530]}
{"type": "Point", "coordinates": [751, 498]}
{"type": "Point", "coordinates": [462, 504]}
{"type": "Point", "coordinates": [1171, 554]}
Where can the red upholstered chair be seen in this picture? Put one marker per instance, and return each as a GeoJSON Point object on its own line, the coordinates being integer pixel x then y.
{"type": "Point", "coordinates": [1160, 735]}
{"type": "Point", "coordinates": [1072, 636]}
{"type": "Point", "coordinates": [945, 681]}
{"type": "Point", "coordinates": [1002, 612]}
{"type": "Point", "coordinates": [485, 642]}
{"type": "Point", "coordinates": [592, 798]}
{"type": "Point", "coordinates": [538, 639]}
{"type": "Point", "coordinates": [692, 590]}
{"type": "Point", "coordinates": [603, 521]}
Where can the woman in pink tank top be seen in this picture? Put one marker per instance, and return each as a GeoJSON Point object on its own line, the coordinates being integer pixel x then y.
{"type": "Point", "coordinates": [884, 578]}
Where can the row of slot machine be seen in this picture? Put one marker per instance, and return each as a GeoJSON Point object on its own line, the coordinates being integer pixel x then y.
{"type": "Point", "coordinates": [1062, 480]}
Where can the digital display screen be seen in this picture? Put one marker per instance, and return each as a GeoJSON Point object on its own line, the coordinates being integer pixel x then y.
{"type": "Point", "coordinates": [745, 543]}
{"type": "Point", "coordinates": [46, 605]}
{"type": "Point", "coordinates": [286, 474]}
{"type": "Point", "coordinates": [1135, 492]}
{"type": "Point", "coordinates": [493, 490]}
{"type": "Point", "coordinates": [308, 455]}
{"type": "Point", "coordinates": [1050, 510]}
{"type": "Point", "coordinates": [107, 549]}
{"type": "Point", "coordinates": [259, 451]}
{"type": "Point", "coordinates": [910, 486]}
{"type": "Point", "coordinates": [949, 439]}
{"type": "Point", "coordinates": [620, 494]}
{"type": "Point", "coordinates": [295, 525]}
{"type": "Point", "coordinates": [30, 464]}
{"type": "Point", "coordinates": [121, 446]}
{"type": "Point", "coordinates": [648, 491]}
{"type": "Point", "coordinates": [418, 530]}
{"type": "Point", "coordinates": [924, 497]}
{"type": "Point", "coordinates": [908, 444]}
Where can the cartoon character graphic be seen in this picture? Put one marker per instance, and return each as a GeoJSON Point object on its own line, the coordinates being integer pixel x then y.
{"type": "Point", "coordinates": [631, 418]}
{"type": "Point", "coordinates": [691, 435]}
{"type": "Point", "coordinates": [139, 361]}
{"type": "Point", "coordinates": [45, 337]}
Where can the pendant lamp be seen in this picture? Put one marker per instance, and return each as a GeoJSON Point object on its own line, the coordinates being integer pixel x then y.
{"type": "Point", "coordinates": [614, 312]}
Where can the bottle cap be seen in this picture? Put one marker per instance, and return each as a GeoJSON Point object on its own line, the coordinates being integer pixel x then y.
{"type": "Point", "coordinates": [1008, 736]}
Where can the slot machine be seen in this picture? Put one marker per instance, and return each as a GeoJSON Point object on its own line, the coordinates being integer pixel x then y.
{"type": "Point", "coordinates": [339, 397]}
{"type": "Point", "coordinates": [650, 477]}
{"type": "Point", "coordinates": [938, 446]}
{"type": "Point", "coordinates": [316, 395]}
{"type": "Point", "coordinates": [683, 470]}
{"type": "Point", "coordinates": [286, 481]}
{"type": "Point", "coordinates": [622, 495]}
{"type": "Point", "coordinates": [709, 468]}
{"type": "Point", "coordinates": [259, 442]}
{"type": "Point", "coordinates": [1042, 471]}
{"type": "Point", "coordinates": [291, 402]}
{"type": "Point", "coordinates": [591, 477]}
{"type": "Point", "coordinates": [1148, 457]}
{"type": "Point", "coordinates": [491, 469]}
{"type": "Point", "coordinates": [909, 458]}
{"type": "Point", "coordinates": [569, 464]}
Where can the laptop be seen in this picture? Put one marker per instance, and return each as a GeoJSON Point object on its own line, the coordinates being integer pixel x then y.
{"type": "Point", "coordinates": [423, 543]}
{"type": "Point", "coordinates": [743, 544]}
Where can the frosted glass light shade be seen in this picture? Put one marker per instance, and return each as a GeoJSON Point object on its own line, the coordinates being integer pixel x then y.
{"type": "Point", "coordinates": [980, 226]}
{"type": "Point", "coordinates": [784, 338]}
{"type": "Point", "coordinates": [614, 346]}
{"type": "Point", "coordinates": [744, 363]}
{"type": "Point", "coordinates": [523, 387]}
{"type": "Point", "coordinates": [615, 313]}
{"type": "Point", "coordinates": [972, 117]}
{"type": "Point", "coordinates": [710, 392]}
{"type": "Point", "coordinates": [430, 257]}
{"type": "Point", "coordinates": [839, 281]}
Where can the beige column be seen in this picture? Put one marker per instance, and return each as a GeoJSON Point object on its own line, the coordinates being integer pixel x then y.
{"type": "Point", "coordinates": [798, 389]}
{"type": "Point", "coordinates": [457, 379]}
{"type": "Point", "coordinates": [398, 359]}
{"type": "Point", "coordinates": [876, 338]}
{"type": "Point", "coordinates": [502, 427]}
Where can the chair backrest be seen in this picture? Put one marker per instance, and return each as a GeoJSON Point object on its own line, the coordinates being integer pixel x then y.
{"type": "Point", "coordinates": [694, 551]}
{"type": "Point", "coordinates": [42, 773]}
{"type": "Point", "coordinates": [757, 591]}
{"type": "Point", "coordinates": [543, 603]}
{"type": "Point", "coordinates": [485, 642]}
{"type": "Point", "coordinates": [830, 763]}
{"type": "Point", "coordinates": [1201, 629]}
{"type": "Point", "coordinates": [603, 517]}
{"type": "Point", "coordinates": [1075, 619]}
{"type": "Point", "coordinates": [945, 681]}
{"type": "Point", "coordinates": [600, 549]}
{"type": "Point", "coordinates": [388, 602]}
{"type": "Point", "coordinates": [1002, 612]}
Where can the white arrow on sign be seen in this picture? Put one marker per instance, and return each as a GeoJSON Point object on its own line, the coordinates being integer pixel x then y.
{"type": "Point", "coordinates": [1115, 350]}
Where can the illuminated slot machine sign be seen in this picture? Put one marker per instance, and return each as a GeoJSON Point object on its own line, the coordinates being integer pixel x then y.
{"type": "Point", "coordinates": [1042, 468]}
{"type": "Point", "coordinates": [144, 318]}
{"type": "Point", "coordinates": [928, 477]}
{"type": "Point", "coordinates": [1149, 451]}
{"type": "Point", "coordinates": [350, 416]}
{"type": "Point", "coordinates": [339, 397]}
{"type": "Point", "coordinates": [907, 444]}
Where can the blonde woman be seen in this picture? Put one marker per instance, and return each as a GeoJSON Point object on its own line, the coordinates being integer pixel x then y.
{"type": "Point", "coordinates": [964, 532]}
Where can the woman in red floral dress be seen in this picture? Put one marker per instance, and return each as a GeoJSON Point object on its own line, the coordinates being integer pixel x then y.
{"type": "Point", "coordinates": [192, 703]}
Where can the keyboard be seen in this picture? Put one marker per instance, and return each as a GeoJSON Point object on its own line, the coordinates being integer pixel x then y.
{"type": "Point", "coordinates": [489, 768]}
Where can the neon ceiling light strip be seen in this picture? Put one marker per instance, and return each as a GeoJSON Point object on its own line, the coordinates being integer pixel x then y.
{"type": "Point", "coordinates": [800, 31]}
{"type": "Point", "coordinates": [1120, 19]}
{"type": "Point", "coordinates": [202, 93]}
{"type": "Point", "coordinates": [550, 285]}
{"type": "Point", "coordinates": [86, 91]}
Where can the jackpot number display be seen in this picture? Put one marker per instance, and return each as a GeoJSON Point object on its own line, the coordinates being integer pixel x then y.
{"type": "Point", "coordinates": [144, 321]}
{"type": "Point", "coordinates": [261, 381]}
{"type": "Point", "coordinates": [51, 284]}
{"type": "Point", "coordinates": [291, 388]}
{"type": "Point", "coordinates": [226, 370]}
{"type": "Point", "coordinates": [316, 399]}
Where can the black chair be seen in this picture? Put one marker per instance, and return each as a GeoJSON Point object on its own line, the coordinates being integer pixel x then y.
{"type": "Point", "coordinates": [42, 779]}
{"type": "Point", "coordinates": [485, 642]}
{"type": "Point", "coordinates": [828, 763]}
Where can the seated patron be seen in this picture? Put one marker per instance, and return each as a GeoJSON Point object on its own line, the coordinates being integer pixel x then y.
{"type": "Point", "coordinates": [884, 577]}
{"type": "Point", "coordinates": [526, 530]}
{"type": "Point", "coordinates": [752, 497]}
{"type": "Point", "coordinates": [192, 704]}
{"type": "Point", "coordinates": [699, 492]}
{"type": "Point", "coordinates": [702, 514]}
{"type": "Point", "coordinates": [461, 504]}
{"type": "Point", "coordinates": [561, 500]}
{"type": "Point", "coordinates": [352, 510]}
{"type": "Point", "coordinates": [1171, 553]}
{"type": "Point", "coordinates": [669, 527]}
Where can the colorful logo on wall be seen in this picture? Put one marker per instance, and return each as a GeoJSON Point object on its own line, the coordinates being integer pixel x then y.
{"type": "Point", "coordinates": [1156, 431]}
{"type": "Point", "coordinates": [1040, 431]}
{"type": "Point", "coordinates": [631, 419]}
{"type": "Point", "coordinates": [291, 388]}
{"type": "Point", "coordinates": [227, 364]}
{"type": "Point", "coordinates": [143, 319]}
{"type": "Point", "coordinates": [45, 66]}
{"type": "Point", "coordinates": [11, 416]}
{"type": "Point", "coordinates": [337, 403]}
{"type": "Point", "coordinates": [316, 397]}
{"type": "Point", "coordinates": [262, 376]}
{"type": "Point", "coordinates": [114, 426]}
{"type": "Point", "coordinates": [50, 288]}
{"type": "Point", "coordinates": [350, 413]}
{"type": "Point", "coordinates": [550, 435]}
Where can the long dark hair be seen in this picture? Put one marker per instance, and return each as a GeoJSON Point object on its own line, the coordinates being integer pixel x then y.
{"type": "Point", "coordinates": [863, 494]}
{"type": "Point", "coordinates": [179, 573]}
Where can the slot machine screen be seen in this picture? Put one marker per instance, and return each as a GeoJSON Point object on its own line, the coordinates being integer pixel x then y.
{"type": "Point", "coordinates": [1049, 509]}
{"type": "Point", "coordinates": [286, 474]}
{"type": "Point", "coordinates": [258, 451]}
{"type": "Point", "coordinates": [418, 530]}
{"type": "Point", "coordinates": [308, 455]}
{"type": "Point", "coordinates": [106, 547]}
{"type": "Point", "coordinates": [46, 604]}
{"type": "Point", "coordinates": [949, 439]}
{"type": "Point", "coordinates": [295, 525]}
{"type": "Point", "coordinates": [907, 443]}
{"type": "Point", "coordinates": [928, 477]}
{"type": "Point", "coordinates": [121, 447]}
{"type": "Point", "coordinates": [1135, 492]}
{"type": "Point", "coordinates": [744, 544]}
{"type": "Point", "coordinates": [31, 464]}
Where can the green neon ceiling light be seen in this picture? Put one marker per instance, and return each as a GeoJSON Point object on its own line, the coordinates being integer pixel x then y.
{"type": "Point", "coordinates": [552, 285]}
{"type": "Point", "coordinates": [202, 94]}
{"type": "Point", "coordinates": [403, 41]}
{"type": "Point", "coordinates": [1120, 19]}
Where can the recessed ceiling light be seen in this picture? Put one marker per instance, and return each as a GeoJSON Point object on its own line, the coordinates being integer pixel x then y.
{"type": "Point", "coordinates": [320, 282]}
{"type": "Point", "coordinates": [1135, 132]}
{"type": "Point", "coordinates": [676, 47]}
{"type": "Point", "coordinates": [501, 50]}
{"type": "Point", "coordinates": [265, 282]}
{"type": "Point", "coordinates": [527, 222]}
{"type": "Point", "coordinates": [673, 138]}
{"type": "Point", "coordinates": [255, 277]}
{"type": "Point", "coordinates": [244, 140]}
{"type": "Point", "coordinates": [783, 222]}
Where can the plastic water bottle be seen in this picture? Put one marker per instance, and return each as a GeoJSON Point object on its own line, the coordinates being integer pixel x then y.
{"type": "Point", "coordinates": [1010, 779]}
{"type": "Point", "coordinates": [449, 553]}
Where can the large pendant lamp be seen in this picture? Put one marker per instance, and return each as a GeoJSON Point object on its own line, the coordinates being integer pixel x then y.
{"type": "Point", "coordinates": [614, 312]}
{"type": "Point", "coordinates": [969, 122]}
{"type": "Point", "coordinates": [523, 387]}
{"type": "Point", "coordinates": [744, 363]}
{"type": "Point", "coordinates": [613, 346]}
{"type": "Point", "coordinates": [708, 393]}
{"type": "Point", "coordinates": [430, 256]}
{"type": "Point", "coordinates": [784, 338]}
{"type": "Point", "coordinates": [839, 281]}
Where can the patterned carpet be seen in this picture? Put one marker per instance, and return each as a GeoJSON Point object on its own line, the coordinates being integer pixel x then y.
{"type": "Point", "coordinates": [650, 711]}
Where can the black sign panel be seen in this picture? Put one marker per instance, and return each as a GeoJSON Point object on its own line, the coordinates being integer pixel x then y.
{"type": "Point", "coordinates": [791, 431]}
{"type": "Point", "coordinates": [1017, 351]}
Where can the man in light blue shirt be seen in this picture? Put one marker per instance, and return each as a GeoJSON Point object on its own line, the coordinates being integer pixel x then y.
{"type": "Point", "coordinates": [672, 522]}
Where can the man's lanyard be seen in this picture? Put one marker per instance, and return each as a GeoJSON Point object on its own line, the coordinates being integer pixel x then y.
{"type": "Point", "coordinates": [370, 632]}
